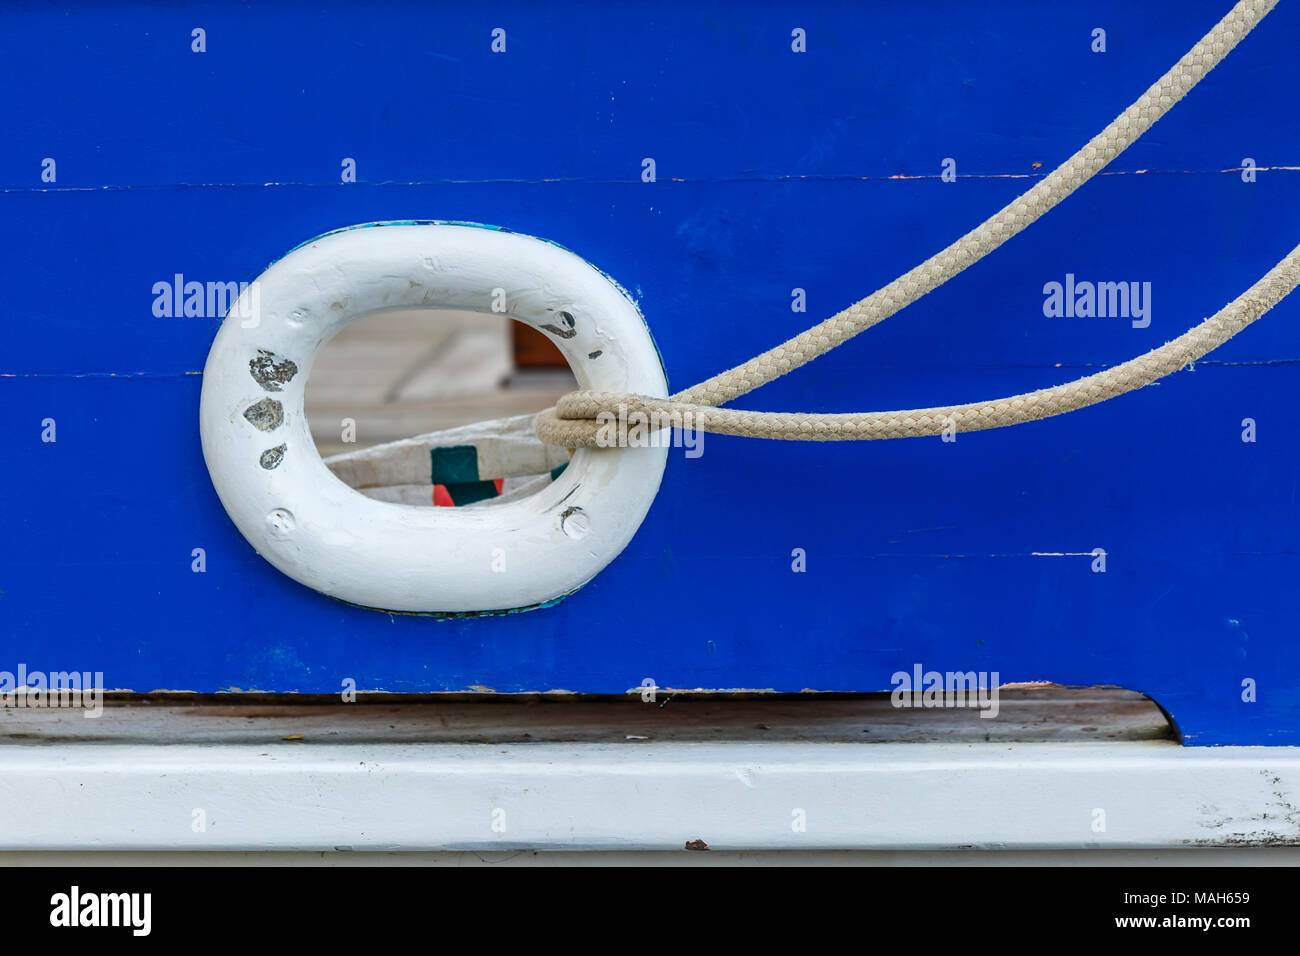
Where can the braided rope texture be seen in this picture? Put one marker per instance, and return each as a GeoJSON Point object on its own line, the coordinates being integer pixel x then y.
{"type": "Point", "coordinates": [571, 423]}
{"type": "Point", "coordinates": [973, 416]}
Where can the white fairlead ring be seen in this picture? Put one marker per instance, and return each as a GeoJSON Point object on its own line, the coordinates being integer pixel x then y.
{"type": "Point", "coordinates": [399, 557]}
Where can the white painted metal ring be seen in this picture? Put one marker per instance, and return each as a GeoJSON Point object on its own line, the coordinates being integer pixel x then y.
{"type": "Point", "coordinates": [398, 557]}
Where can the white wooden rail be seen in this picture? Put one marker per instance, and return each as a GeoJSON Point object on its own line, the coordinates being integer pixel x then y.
{"type": "Point", "coordinates": [783, 775]}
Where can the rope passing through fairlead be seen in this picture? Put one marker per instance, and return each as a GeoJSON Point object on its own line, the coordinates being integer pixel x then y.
{"type": "Point", "coordinates": [574, 422]}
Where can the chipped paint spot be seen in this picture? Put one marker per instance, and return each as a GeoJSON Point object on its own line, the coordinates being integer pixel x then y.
{"type": "Point", "coordinates": [270, 371]}
{"type": "Point", "coordinates": [567, 332]}
{"type": "Point", "coordinates": [272, 457]}
{"type": "Point", "coordinates": [575, 523]}
{"type": "Point", "coordinates": [1276, 824]}
{"type": "Point", "coordinates": [281, 521]}
{"type": "Point", "coordinates": [266, 415]}
{"type": "Point", "coordinates": [1263, 838]}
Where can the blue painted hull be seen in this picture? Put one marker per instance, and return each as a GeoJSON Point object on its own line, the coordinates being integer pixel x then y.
{"type": "Point", "coordinates": [776, 170]}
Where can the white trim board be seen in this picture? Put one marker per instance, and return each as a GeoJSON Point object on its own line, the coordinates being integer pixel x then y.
{"type": "Point", "coordinates": [732, 796]}
{"type": "Point", "coordinates": [1186, 857]}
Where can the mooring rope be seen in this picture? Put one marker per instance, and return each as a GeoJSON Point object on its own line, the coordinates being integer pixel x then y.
{"type": "Point", "coordinates": [573, 421]}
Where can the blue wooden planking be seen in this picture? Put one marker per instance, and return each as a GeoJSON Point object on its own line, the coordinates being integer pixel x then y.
{"type": "Point", "coordinates": [774, 173]}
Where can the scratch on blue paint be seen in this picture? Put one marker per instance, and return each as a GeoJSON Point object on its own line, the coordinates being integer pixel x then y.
{"type": "Point", "coordinates": [585, 181]}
